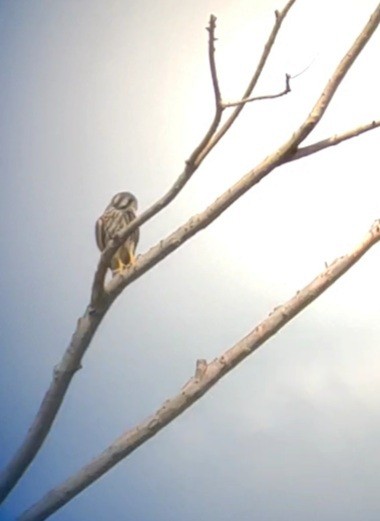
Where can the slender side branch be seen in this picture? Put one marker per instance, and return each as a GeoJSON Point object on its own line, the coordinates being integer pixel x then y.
{"type": "Point", "coordinates": [286, 90]}
{"type": "Point", "coordinates": [333, 140]}
{"type": "Point", "coordinates": [279, 18]}
{"type": "Point", "coordinates": [206, 376]}
{"type": "Point", "coordinates": [192, 162]}
{"type": "Point", "coordinates": [211, 56]}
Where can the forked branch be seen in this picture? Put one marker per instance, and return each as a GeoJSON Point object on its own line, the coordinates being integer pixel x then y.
{"type": "Point", "coordinates": [334, 140]}
{"type": "Point", "coordinates": [103, 298]}
{"type": "Point", "coordinates": [191, 166]}
{"type": "Point", "coordinates": [100, 299]}
{"type": "Point", "coordinates": [285, 153]}
{"type": "Point", "coordinates": [212, 137]}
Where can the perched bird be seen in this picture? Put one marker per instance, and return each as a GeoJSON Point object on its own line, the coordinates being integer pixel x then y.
{"type": "Point", "coordinates": [118, 214]}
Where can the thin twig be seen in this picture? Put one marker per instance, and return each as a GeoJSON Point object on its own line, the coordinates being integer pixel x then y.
{"type": "Point", "coordinates": [294, 76]}
{"type": "Point", "coordinates": [211, 54]}
{"type": "Point", "coordinates": [199, 384]}
{"type": "Point", "coordinates": [286, 90]}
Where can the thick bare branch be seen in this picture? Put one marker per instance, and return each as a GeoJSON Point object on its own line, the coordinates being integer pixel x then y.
{"type": "Point", "coordinates": [62, 375]}
{"type": "Point", "coordinates": [333, 140]}
{"type": "Point", "coordinates": [206, 376]}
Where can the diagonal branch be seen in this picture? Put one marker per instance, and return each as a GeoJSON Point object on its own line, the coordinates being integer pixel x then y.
{"type": "Point", "coordinates": [190, 167]}
{"type": "Point", "coordinates": [209, 141]}
{"type": "Point", "coordinates": [101, 300]}
{"type": "Point", "coordinates": [62, 376]}
{"type": "Point", "coordinates": [206, 376]}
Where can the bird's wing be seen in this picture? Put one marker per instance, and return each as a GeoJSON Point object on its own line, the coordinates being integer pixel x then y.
{"type": "Point", "coordinates": [100, 234]}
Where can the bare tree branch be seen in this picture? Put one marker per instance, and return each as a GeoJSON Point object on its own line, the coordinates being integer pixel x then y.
{"type": "Point", "coordinates": [279, 18]}
{"type": "Point", "coordinates": [333, 140]}
{"type": "Point", "coordinates": [190, 167]}
{"type": "Point", "coordinates": [211, 138]}
{"type": "Point", "coordinates": [206, 376]}
{"type": "Point", "coordinates": [286, 90]}
{"type": "Point", "coordinates": [88, 324]}
{"type": "Point", "coordinates": [100, 300]}
{"type": "Point", "coordinates": [62, 375]}
{"type": "Point", "coordinates": [211, 56]}
{"type": "Point", "coordinates": [285, 153]}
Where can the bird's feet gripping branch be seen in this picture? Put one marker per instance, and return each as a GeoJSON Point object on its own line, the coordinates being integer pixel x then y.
{"type": "Point", "coordinates": [120, 265]}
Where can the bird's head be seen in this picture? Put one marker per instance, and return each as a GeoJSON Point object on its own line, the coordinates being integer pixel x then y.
{"type": "Point", "coordinates": [124, 201]}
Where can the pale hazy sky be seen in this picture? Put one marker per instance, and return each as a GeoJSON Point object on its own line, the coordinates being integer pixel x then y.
{"type": "Point", "coordinates": [102, 96]}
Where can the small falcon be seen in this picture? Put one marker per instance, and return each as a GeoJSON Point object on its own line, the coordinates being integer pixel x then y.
{"type": "Point", "coordinates": [115, 218]}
